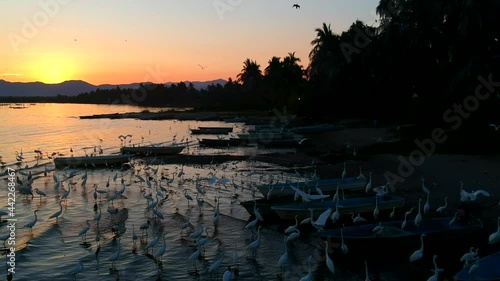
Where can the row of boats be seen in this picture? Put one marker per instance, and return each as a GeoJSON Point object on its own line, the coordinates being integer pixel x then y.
{"type": "Point", "coordinates": [368, 223]}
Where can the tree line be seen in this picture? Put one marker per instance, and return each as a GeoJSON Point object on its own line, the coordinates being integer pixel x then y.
{"type": "Point", "coordinates": [421, 59]}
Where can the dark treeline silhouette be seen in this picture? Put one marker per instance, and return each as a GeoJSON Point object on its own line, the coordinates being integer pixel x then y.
{"type": "Point", "coordinates": [423, 62]}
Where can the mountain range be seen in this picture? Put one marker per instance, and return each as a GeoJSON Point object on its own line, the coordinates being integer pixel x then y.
{"type": "Point", "coordinates": [75, 87]}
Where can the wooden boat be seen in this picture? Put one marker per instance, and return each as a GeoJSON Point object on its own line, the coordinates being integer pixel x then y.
{"type": "Point", "coordinates": [486, 268]}
{"type": "Point", "coordinates": [92, 161]}
{"type": "Point", "coordinates": [320, 128]}
{"type": "Point", "coordinates": [223, 142]}
{"type": "Point", "coordinates": [264, 207]}
{"type": "Point", "coordinates": [346, 206]}
{"type": "Point", "coordinates": [153, 150]}
{"type": "Point", "coordinates": [327, 186]}
{"type": "Point", "coordinates": [391, 230]}
{"type": "Point", "coordinates": [399, 244]}
{"type": "Point", "coordinates": [212, 130]}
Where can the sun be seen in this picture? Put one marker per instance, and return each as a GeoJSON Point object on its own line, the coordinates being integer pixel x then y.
{"type": "Point", "coordinates": [54, 69]}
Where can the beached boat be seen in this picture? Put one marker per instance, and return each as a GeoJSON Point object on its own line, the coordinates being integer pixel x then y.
{"type": "Point", "coordinates": [92, 161]}
{"type": "Point", "coordinates": [320, 128]}
{"type": "Point", "coordinates": [211, 130]}
{"type": "Point", "coordinates": [223, 142]}
{"type": "Point", "coordinates": [485, 269]}
{"type": "Point", "coordinates": [153, 150]}
{"type": "Point", "coordinates": [327, 186]}
{"type": "Point", "coordinates": [346, 206]}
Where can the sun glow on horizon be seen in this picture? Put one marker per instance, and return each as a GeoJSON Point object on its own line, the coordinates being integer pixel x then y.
{"type": "Point", "coordinates": [53, 70]}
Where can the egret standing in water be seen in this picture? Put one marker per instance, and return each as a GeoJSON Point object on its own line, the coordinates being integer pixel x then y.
{"type": "Point", "coordinates": [31, 223]}
{"type": "Point", "coordinates": [75, 270]}
{"type": "Point", "coordinates": [58, 213]}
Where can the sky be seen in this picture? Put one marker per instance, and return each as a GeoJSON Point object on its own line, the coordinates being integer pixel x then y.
{"type": "Point", "coordinates": [128, 41]}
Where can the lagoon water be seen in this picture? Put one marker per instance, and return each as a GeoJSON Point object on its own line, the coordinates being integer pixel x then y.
{"type": "Point", "coordinates": [55, 246]}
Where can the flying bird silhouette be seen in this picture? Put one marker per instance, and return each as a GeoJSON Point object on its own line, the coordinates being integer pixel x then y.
{"type": "Point", "coordinates": [202, 67]}
{"type": "Point", "coordinates": [495, 126]}
{"type": "Point", "coordinates": [296, 6]}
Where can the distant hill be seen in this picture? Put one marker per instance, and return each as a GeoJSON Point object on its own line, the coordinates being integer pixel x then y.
{"type": "Point", "coordinates": [74, 87]}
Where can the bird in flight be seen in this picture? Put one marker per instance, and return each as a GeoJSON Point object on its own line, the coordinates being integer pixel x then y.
{"type": "Point", "coordinates": [296, 6]}
{"type": "Point", "coordinates": [495, 126]}
{"type": "Point", "coordinates": [202, 67]}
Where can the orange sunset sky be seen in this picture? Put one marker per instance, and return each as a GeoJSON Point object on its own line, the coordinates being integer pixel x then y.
{"type": "Point", "coordinates": [126, 41]}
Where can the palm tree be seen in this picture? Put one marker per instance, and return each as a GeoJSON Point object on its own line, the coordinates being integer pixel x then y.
{"type": "Point", "coordinates": [251, 75]}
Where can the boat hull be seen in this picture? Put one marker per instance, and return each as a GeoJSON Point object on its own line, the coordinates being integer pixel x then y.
{"type": "Point", "coordinates": [487, 269]}
{"type": "Point", "coordinates": [346, 206]}
{"type": "Point", "coordinates": [92, 161]}
{"type": "Point", "coordinates": [327, 186]}
{"type": "Point", "coordinates": [211, 131]}
{"type": "Point", "coordinates": [152, 150]}
{"type": "Point", "coordinates": [223, 142]}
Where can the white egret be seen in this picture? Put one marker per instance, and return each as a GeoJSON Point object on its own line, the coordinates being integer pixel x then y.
{"type": "Point", "coordinates": [214, 267]}
{"type": "Point", "coordinates": [358, 218]}
{"type": "Point", "coordinates": [256, 211]}
{"type": "Point", "coordinates": [427, 206]}
{"type": "Point", "coordinates": [309, 275]}
{"type": "Point", "coordinates": [361, 176]}
{"type": "Point", "coordinates": [320, 222]}
{"type": "Point", "coordinates": [75, 270]}
{"type": "Point", "coordinates": [418, 254]}
{"type": "Point", "coordinates": [344, 172]}
{"type": "Point", "coordinates": [58, 213]}
{"type": "Point", "coordinates": [407, 213]}
{"type": "Point", "coordinates": [329, 262]}
{"type": "Point", "coordinates": [335, 215]}
{"type": "Point", "coordinates": [84, 230]}
{"type": "Point", "coordinates": [31, 223]}
{"type": "Point", "coordinates": [441, 209]}
{"type": "Point", "coordinates": [161, 250]}
{"type": "Point", "coordinates": [366, 271]}
{"type": "Point", "coordinates": [227, 274]}
{"type": "Point", "coordinates": [294, 235]}
{"type": "Point", "coordinates": [114, 257]}
{"type": "Point", "coordinates": [376, 210]}
{"type": "Point", "coordinates": [418, 217]}
{"type": "Point", "coordinates": [495, 236]}
{"type": "Point", "coordinates": [187, 196]}
{"type": "Point", "coordinates": [424, 188]}
{"type": "Point", "coordinates": [292, 228]}
{"type": "Point", "coordinates": [393, 213]}
{"type": "Point", "coordinates": [343, 246]}
{"type": "Point", "coordinates": [284, 258]}
{"type": "Point", "coordinates": [256, 243]}
{"type": "Point", "coordinates": [369, 184]}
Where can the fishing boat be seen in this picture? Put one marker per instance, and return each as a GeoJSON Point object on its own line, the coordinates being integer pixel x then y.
{"type": "Point", "coordinates": [153, 150]}
{"type": "Point", "coordinates": [264, 207]}
{"type": "Point", "coordinates": [211, 130]}
{"type": "Point", "coordinates": [390, 231]}
{"type": "Point", "coordinates": [222, 142]}
{"type": "Point", "coordinates": [486, 268]}
{"type": "Point", "coordinates": [327, 186]}
{"type": "Point", "coordinates": [345, 206]}
{"type": "Point", "coordinates": [92, 161]}
{"type": "Point", "coordinates": [369, 240]}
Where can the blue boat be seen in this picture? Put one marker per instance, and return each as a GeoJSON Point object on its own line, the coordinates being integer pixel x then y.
{"type": "Point", "coordinates": [484, 269]}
